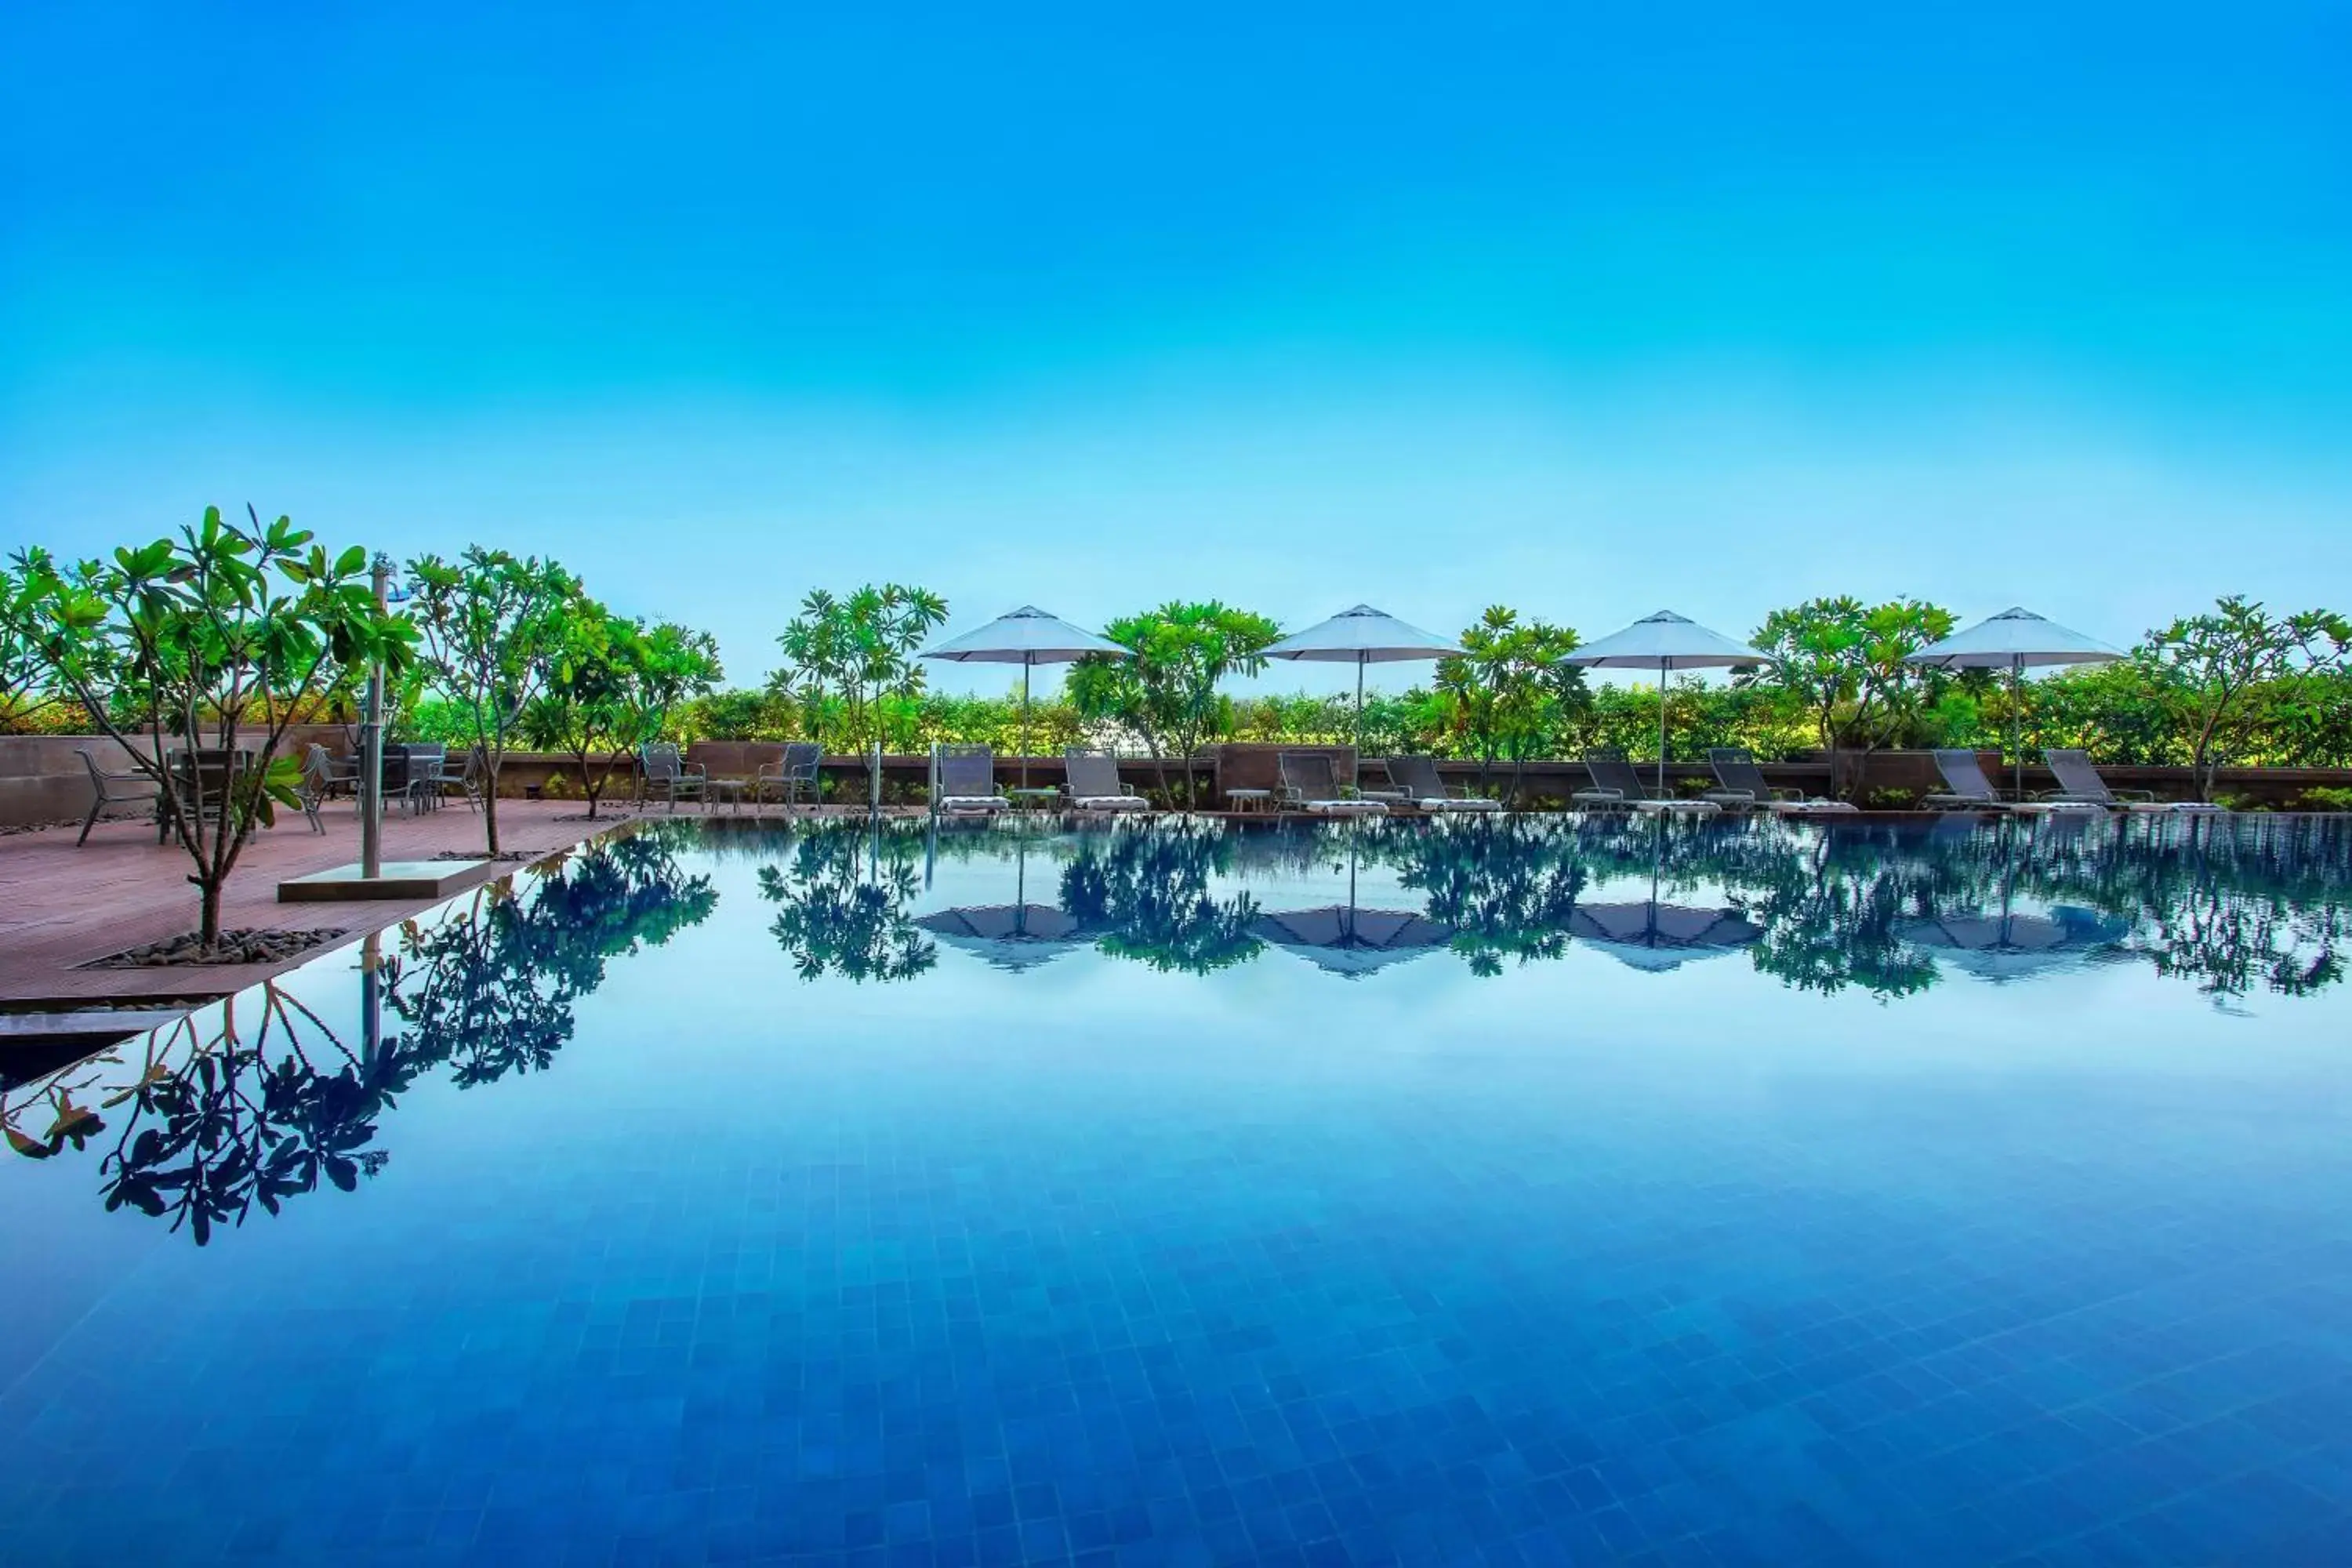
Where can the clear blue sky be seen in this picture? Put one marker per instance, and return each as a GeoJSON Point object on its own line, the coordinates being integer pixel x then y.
{"type": "Point", "coordinates": [1584, 312]}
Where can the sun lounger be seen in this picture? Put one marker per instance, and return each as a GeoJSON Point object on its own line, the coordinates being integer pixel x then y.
{"type": "Point", "coordinates": [1419, 785]}
{"type": "Point", "coordinates": [1743, 787]}
{"type": "Point", "coordinates": [1308, 785]}
{"type": "Point", "coordinates": [2079, 781]}
{"type": "Point", "coordinates": [1617, 787]}
{"type": "Point", "coordinates": [967, 781]}
{"type": "Point", "coordinates": [1966, 788]}
{"type": "Point", "coordinates": [1092, 779]}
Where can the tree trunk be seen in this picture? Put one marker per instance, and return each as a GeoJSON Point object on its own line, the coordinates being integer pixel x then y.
{"type": "Point", "coordinates": [490, 800]}
{"type": "Point", "coordinates": [208, 923]}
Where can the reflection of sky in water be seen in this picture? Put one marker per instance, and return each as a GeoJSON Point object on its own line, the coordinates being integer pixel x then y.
{"type": "Point", "coordinates": [1823, 1246]}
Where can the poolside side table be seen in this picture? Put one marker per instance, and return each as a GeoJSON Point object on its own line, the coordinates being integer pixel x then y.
{"type": "Point", "coordinates": [1035, 797]}
{"type": "Point", "coordinates": [1251, 802]}
{"type": "Point", "coordinates": [731, 791]}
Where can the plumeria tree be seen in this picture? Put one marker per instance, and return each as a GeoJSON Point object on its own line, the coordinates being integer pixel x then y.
{"type": "Point", "coordinates": [2214, 666]}
{"type": "Point", "coordinates": [493, 627]}
{"type": "Point", "coordinates": [221, 638]}
{"type": "Point", "coordinates": [1508, 690]}
{"type": "Point", "coordinates": [1166, 692]}
{"type": "Point", "coordinates": [859, 649]}
{"type": "Point", "coordinates": [613, 686]}
{"type": "Point", "coordinates": [1845, 660]}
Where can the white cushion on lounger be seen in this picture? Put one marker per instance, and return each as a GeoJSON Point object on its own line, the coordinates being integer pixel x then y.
{"type": "Point", "coordinates": [1110, 802]}
{"type": "Point", "coordinates": [1800, 807]}
{"type": "Point", "coordinates": [1679, 807]}
{"type": "Point", "coordinates": [974, 802]}
{"type": "Point", "coordinates": [1459, 803]}
{"type": "Point", "coordinates": [1344, 807]}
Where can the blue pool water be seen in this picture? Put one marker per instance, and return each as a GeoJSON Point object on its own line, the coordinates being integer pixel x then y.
{"type": "Point", "coordinates": [1522, 1192]}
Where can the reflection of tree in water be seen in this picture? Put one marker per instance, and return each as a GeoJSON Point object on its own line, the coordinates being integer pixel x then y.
{"type": "Point", "coordinates": [491, 991]}
{"type": "Point", "coordinates": [1830, 902]}
{"type": "Point", "coordinates": [1147, 890]}
{"type": "Point", "coordinates": [2229, 905]}
{"type": "Point", "coordinates": [842, 895]}
{"type": "Point", "coordinates": [1507, 886]}
{"type": "Point", "coordinates": [262, 1100]}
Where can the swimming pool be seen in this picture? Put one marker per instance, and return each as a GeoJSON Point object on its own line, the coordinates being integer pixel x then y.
{"type": "Point", "coordinates": [1535, 1190]}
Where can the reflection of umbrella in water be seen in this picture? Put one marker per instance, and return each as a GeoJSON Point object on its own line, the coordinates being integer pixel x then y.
{"type": "Point", "coordinates": [1657, 936]}
{"type": "Point", "coordinates": [1018, 935]}
{"type": "Point", "coordinates": [1348, 941]}
{"type": "Point", "coordinates": [2009, 946]}
{"type": "Point", "coordinates": [1009, 936]}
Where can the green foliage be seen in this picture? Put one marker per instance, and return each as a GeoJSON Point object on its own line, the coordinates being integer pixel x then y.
{"type": "Point", "coordinates": [220, 638]}
{"type": "Point", "coordinates": [857, 650]}
{"type": "Point", "coordinates": [1165, 693]}
{"type": "Point", "coordinates": [1508, 693]}
{"type": "Point", "coordinates": [493, 627]}
{"type": "Point", "coordinates": [612, 686]}
{"type": "Point", "coordinates": [1845, 662]}
{"type": "Point", "coordinates": [2215, 666]}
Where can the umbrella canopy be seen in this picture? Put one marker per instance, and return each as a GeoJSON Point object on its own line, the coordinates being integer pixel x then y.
{"type": "Point", "coordinates": [1009, 936]}
{"type": "Point", "coordinates": [2014, 640]}
{"type": "Point", "coordinates": [1664, 642]}
{"type": "Point", "coordinates": [1655, 936]}
{"type": "Point", "coordinates": [1028, 636]}
{"type": "Point", "coordinates": [2013, 947]}
{"type": "Point", "coordinates": [1360, 636]}
{"type": "Point", "coordinates": [1351, 941]}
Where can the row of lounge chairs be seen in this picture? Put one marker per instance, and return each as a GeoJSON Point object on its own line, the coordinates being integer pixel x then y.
{"type": "Point", "coordinates": [967, 785]}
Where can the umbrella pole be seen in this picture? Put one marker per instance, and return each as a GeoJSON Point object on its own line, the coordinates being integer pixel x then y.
{"type": "Point", "coordinates": [1661, 729]}
{"type": "Point", "coordinates": [2016, 747]}
{"type": "Point", "coordinates": [1357, 780]}
{"type": "Point", "coordinates": [1026, 660]}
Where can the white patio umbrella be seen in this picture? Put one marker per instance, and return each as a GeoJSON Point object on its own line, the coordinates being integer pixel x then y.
{"type": "Point", "coordinates": [1664, 642]}
{"type": "Point", "coordinates": [1028, 636]}
{"type": "Point", "coordinates": [2012, 640]}
{"type": "Point", "coordinates": [1360, 636]}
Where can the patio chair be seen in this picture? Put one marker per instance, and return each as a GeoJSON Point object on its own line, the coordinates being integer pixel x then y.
{"type": "Point", "coordinates": [1616, 786]}
{"type": "Point", "coordinates": [203, 778]}
{"type": "Point", "coordinates": [966, 780]}
{"type": "Point", "coordinates": [1417, 779]}
{"type": "Point", "coordinates": [2079, 781]}
{"type": "Point", "coordinates": [420, 776]}
{"type": "Point", "coordinates": [796, 771]}
{"type": "Point", "coordinates": [108, 789]}
{"type": "Point", "coordinates": [1093, 782]}
{"type": "Point", "coordinates": [321, 780]}
{"type": "Point", "coordinates": [1743, 788]}
{"type": "Point", "coordinates": [468, 774]}
{"type": "Point", "coordinates": [663, 771]}
{"type": "Point", "coordinates": [1966, 788]}
{"type": "Point", "coordinates": [1308, 785]}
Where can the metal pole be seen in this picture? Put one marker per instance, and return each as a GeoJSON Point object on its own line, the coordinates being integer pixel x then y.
{"type": "Point", "coordinates": [1661, 729]}
{"type": "Point", "coordinates": [1026, 660]}
{"type": "Point", "coordinates": [370, 782]}
{"type": "Point", "coordinates": [2016, 749]}
{"type": "Point", "coordinates": [1356, 780]}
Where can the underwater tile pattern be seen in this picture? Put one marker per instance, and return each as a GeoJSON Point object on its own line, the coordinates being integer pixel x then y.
{"type": "Point", "coordinates": [1107, 1268]}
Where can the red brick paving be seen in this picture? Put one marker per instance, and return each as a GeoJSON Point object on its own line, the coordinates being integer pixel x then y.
{"type": "Point", "coordinates": [61, 907]}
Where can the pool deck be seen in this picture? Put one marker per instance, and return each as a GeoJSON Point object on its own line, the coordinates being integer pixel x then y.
{"type": "Point", "coordinates": [62, 906]}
